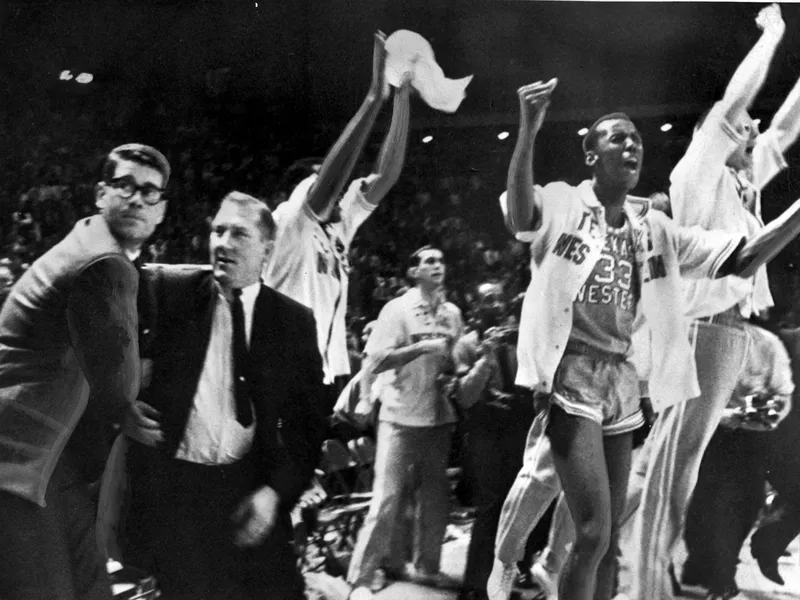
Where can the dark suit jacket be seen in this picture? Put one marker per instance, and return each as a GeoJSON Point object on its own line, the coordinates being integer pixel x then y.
{"type": "Point", "coordinates": [289, 425]}
{"type": "Point", "coordinates": [67, 326]}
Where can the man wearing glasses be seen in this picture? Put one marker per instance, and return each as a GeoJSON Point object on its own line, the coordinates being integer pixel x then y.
{"type": "Point", "coordinates": [69, 349]}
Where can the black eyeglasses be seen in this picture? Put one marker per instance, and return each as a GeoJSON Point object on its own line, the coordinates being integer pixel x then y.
{"type": "Point", "coordinates": [126, 187]}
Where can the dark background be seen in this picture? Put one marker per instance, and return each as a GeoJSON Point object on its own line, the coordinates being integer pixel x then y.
{"type": "Point", "coordinates": [288, 75]}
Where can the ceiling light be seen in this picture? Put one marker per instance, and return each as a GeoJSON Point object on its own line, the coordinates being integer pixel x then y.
{"type": "Point", "coordinates": [427, 138]}
{"type": "Point", "coordinates": [502, 135]}
{"type": "Point", "coordinates": [666, 127]}
{"type": "Point", "coordinates": [84, 78]}
{"type": "Point", "coordinates": [65, 75]}
{"type": "Point", "coordinates": [583, 131]}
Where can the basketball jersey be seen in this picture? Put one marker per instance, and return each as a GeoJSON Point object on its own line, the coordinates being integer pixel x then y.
{"type": "Point", "coordinates": [309, 263]}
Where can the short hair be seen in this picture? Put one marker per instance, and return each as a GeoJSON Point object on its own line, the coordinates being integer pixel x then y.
{"type": "Point", "coordinates": [592, 136]}
{"type": "Point", "coordinates": [415, 258]}
{"type": "Point", "coordinates": [266, 223]}
{"type": "Point", "coordinates": [300, 170]}
{"type": "Point", "coordinates": [139, 154]}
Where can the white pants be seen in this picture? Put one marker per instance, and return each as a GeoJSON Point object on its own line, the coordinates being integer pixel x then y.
{"type": "Point", "coordinates": [536, 486]}
{"type": "Point", "coordinates": [677, 442]}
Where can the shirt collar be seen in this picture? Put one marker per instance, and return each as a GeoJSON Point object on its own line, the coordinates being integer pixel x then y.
{"type": "Point", "coordinates": [249, 293]}
{"type": "Point", "coordinates": [415, 296]}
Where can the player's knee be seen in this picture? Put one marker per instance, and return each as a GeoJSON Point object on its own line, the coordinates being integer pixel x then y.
{"type": "Point", "coordinates": [593, 535]}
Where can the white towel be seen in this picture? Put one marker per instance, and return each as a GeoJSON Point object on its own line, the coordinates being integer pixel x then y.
{"type": "Point", "coordinates": [409, 52]}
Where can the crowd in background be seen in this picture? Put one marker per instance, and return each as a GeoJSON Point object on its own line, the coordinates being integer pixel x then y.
{"type": "Point", "coordinates": [54, 144]}
{"type": "Point", "coordinates": [55, 148]}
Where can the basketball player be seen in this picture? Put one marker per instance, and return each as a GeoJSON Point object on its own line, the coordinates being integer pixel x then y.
{"type": "Point", "coordinates": [716, 185]}
{"type": "Point", "coordinates": [316, 225]}
{"type": "Point", "coordinates": [599, 260]}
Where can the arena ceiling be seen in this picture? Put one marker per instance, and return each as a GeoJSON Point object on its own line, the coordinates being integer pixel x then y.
{"type": "Point", "coordinates": [651, 58]}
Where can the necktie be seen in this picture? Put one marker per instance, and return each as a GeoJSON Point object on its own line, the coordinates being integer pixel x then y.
{"type": "Point", "coordinates": [241, 357]}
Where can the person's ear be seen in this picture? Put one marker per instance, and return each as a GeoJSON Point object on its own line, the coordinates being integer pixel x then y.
{"type": "Point", "coordinates": [100, 195]}
{"type": "Point", "coordinates": [591, 158]}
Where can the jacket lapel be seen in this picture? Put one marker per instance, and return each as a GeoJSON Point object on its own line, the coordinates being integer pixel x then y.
{"type": "Point", "coordinates": [265, 348]}
{"type": "Point", "coordinates": [265, 336]}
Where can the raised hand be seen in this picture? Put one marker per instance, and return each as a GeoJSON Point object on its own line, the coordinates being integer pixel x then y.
{"type": "Point", "coordinates": [533, 102]}
{"type": "Point", "coordinates": [379, 87]}
{"type": "Point", "coordinates": [769, 20]}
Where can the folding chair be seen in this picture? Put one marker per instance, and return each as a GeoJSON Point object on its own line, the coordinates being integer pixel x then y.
{"type": "Point", "coordinates": [333, 525]}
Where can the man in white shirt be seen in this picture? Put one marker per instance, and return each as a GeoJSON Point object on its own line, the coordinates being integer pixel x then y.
{"type": "Point", "coordinates": [228, 434]}
{"type": "Point", "coordinates": [315, 227]}
{"type": "Point", "coordinates": [717, 186]}
{"type": "Point", "coordinates": [412, 341]}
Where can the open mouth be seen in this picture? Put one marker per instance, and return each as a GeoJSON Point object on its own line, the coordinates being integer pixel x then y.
{"type": "Point", "coordinates": [631, 163]}
{"type": "Point", "coordinates": [749, 150]}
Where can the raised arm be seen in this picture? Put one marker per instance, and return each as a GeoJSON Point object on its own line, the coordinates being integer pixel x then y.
{"type": "Point", "coordinates": [751, 73]}
{"type": "Point", "coordinates": [342, 157]}
{"type": "Point", "coordinates": [521, 202]}
{"type": "Point", "coordinates": [786, 122]}
{"type": "Point", "coordinates": [393, 151]}
{"type": "Point", "coordinates": [764, 245]}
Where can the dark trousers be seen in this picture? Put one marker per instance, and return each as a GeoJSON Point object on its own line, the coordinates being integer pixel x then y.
{"type": "Point", "coordinates": [782, 525]}
{"type": "Point", "coordinates": [725, 503]}
{"type": "Point", "coordinates": [179, 530]}
{"type": "Point", "coordinates": [493, 445]}
{"type": "Point", "coordinates": [51, 553]}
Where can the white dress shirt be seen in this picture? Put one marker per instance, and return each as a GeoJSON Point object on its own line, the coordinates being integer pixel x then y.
{"type": "Point", "coordinates": [213, 435]}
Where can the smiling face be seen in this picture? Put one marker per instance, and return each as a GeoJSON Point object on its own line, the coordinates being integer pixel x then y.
{"type": "Point", "coordinates": [131, 220]}
{"type": "Point", "coordinates": [617, 156]}
{"type": "Point", "coordinates": [492, 303]}
{"type": "Point", "coordinates": [742, 157]}
{"type": "Point", "coordinates": [238, 246]}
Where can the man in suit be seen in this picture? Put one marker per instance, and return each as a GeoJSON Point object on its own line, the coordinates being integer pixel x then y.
{"type": "Point", "coordinates": [68, 329]}
{"type": "Point", "coordinates": [228, 433]}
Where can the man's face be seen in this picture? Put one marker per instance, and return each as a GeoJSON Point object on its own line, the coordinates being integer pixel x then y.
{"type": "Point", "coordinates": [238, 248]}
{"type": "Point", "coordinates": [492, 302]}
{"type": "Point", "coordinates": [431, 270]}
{"type": "Point", "coordinates": [742, 157]}
{"type": "Point", "coordinates": [618, 154]}
{"type": "Point", "coordinates": [131, 220]}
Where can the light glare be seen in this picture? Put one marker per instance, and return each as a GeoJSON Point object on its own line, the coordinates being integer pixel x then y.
{"type": "Point", "coordinates": [666, 127]}
{"type": "Point", "coordinates": [65, 75]}
{"type": "Point", "coordinates": [502, 135]}
{"type": "Point", "coordinates": [427, 139]}
{"type": "Point", "coordinates": [583, 131]}
{"type": "Point", "coordinates": [84, 78]}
